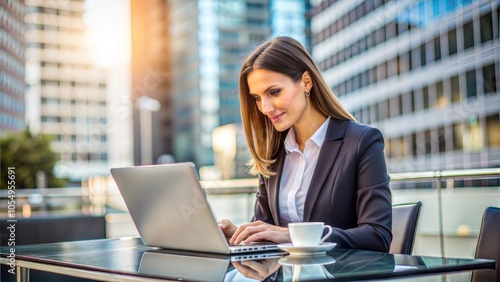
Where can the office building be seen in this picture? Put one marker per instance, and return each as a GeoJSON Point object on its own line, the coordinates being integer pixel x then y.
{"type": "Point", "coordinates": [151, 80]}
{"type": "Point", "coordinates": [187, 55]}
{"type": "Point", "coordinates": [291, 18]}
{"type": "Point", "coordinates": [425, 72]}
{"type": "Point", "coordinates": [67, 95]}
{"type": "Point", "coordinates": [12, 70]}
{"type": "Point", "coordinates": [211, 38]}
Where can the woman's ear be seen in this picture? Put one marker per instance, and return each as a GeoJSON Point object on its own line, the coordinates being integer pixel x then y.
{"type": "Point", "coordinates": [307, 81]}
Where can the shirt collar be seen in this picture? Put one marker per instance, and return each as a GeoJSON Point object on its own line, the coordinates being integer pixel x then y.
{"type": "Point", "coordinates": [290, 141]}
{"type": "Point", "coordinates": [318, 137]}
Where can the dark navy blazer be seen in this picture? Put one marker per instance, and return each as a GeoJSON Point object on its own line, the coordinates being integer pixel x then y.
{"type": "Point", "coordinates": [349, 189]}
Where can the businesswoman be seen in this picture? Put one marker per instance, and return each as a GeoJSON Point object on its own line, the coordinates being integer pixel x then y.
{"type": "Point", "coordinates": [314, 161]}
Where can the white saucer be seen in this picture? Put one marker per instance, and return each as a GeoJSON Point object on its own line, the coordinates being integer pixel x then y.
{"type": "Point", "coordinates": [306, 260]}
{"type": "Point", "coordinates": [307, 250]}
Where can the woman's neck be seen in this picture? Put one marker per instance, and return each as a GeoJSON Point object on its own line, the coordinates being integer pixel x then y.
{"type": "Point", "coordinates": [306, 128]}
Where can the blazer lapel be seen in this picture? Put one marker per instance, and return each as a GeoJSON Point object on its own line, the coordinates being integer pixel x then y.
{"type": "Point", "coordinates": [327, 156]}
{"type": "Point", "coordinates": [274, 186]}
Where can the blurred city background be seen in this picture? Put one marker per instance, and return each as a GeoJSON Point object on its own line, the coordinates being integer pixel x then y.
{"type": "Point", "coordinates": [86, 85]}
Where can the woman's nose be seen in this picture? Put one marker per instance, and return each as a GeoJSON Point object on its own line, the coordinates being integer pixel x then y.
{"type": "Point", "coordinates": [266, 106]}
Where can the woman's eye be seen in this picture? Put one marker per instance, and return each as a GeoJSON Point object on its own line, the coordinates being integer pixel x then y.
{"type": "Point", "coordinates": [256, 98]}
{"type": "Point", "coordinates": [274, 92]}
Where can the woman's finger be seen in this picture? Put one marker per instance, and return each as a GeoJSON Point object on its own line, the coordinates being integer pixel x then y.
{"type": "Point", "coordinates": [227, 227]}
{"type": "Point", "coordinates": [247, 231]}
{"type": "Point", "coordinates": [237, 237]}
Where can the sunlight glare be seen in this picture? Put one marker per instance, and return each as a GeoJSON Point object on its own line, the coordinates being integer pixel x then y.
{"type": "Point", "coordinates": [108, 29]}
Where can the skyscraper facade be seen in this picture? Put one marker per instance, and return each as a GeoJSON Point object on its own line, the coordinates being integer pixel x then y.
{"type": "Point", "coordinates": [12, 69]}
{"type": "Point", "coordinates": [66, 95]}
{"type": "Point", "coordinates": [210, 39]}
{"type": "Point", "coordinates": [151, 78]}
{"type": "Point", "coordinates": [425, 72]}
{"type": "Point", "coordinates": [291, 18]}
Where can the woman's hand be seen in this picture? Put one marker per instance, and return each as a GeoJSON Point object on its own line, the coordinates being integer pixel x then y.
{"type": "Point", "coordinates": [227, 227]}
{"type": "Point", "coordinates": [259, 231]}
{"type": "Point", "coordinates": [257, 269]}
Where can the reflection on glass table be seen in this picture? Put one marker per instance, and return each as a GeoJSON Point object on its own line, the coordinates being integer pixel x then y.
{"type": "Point", "coordinates": [190, 266]}
{"type": "Point", "coordinates": [131, 260]}
{"type": "Point", "coordinates": [307, 267]}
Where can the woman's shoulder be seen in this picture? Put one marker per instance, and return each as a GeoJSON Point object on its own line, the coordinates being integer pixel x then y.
{"type": "Point", "coordinates": [354, 129]}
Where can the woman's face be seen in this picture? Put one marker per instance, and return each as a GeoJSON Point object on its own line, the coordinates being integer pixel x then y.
{"type": "Point", "coordinates": [278, 97]}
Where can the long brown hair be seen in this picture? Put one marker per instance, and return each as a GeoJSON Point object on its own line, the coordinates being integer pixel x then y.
{"type": "Point", "coordinates": [287, 56]}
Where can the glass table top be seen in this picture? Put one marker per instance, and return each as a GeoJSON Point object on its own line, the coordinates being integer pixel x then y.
{"type": "Point", "coordinates": [131, 257]}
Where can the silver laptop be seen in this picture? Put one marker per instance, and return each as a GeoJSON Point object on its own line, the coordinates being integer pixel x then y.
{"type": "Point", "coordinates": [170, 210]}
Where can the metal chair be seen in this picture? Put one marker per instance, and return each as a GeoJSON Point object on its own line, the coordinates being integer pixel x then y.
{"type": "Point", "coordinates": [488, 245]}
{"type": "Point", "coordinates": [404, 226]}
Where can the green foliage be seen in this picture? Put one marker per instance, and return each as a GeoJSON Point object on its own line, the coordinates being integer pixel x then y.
{"type": "Point", "coordinates": [27, 154]}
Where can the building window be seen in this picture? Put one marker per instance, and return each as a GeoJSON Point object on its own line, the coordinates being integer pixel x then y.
{"type": "Point", "coordinates": [428, 142]}
{"type": "Point", "coordinates": [425, 94]}
{"type": "Point", "coordinates": [383, 110]}
{"type": "Point", "coordinates": [458, 144]}
{"type": "Point", "coordinates": [470, 77]}
{"type": "Point", "coordinates": [397, 147]}
{"type": "Point", "coordinates": [51, 119]}
{"type": "Point", "coordinates": [392, 67]}
{"type": "Point", "coordinates": [468, 31]}
{"type": "Point", "coordinates": [374, 112]}
{"type": "Point", "coordinates": [489, 79]}
{"type": "Point", "coordinates": [493, 130]}
{"type": "Point", "coordinates": [455, 89]}
{"type": "Point", "coordinates": [414, 147]}
{"type": "Point", "coordinates": [366, 115]}
{"type": "Point", "coordinates": [406, 103]}
{"type": "Point", "coordinates": [486, 28]}
{"type": "Point", "coordinates": [365, 80]}
{"type": "Point", "coordinates": [412, 101]}
{"type": "Point", "coordinates": [416, 57]}
{"type": "Point", "coordinates": [437, 48]}
{"type": "Point", "coordinates": [441, 99]}
{"type": "Point", "coordinates": [423, 57]}
{"type": "Point", "coordinates": [382, 71]}
{"type": "Point", "coordinates": [452, 42]}
{"type": "Point", "coordinates": [395, 106]}
{"type": "Point", "coordinates": [380, 35]}
{"type": "Point", "coordinates": [55, 137]}
{"type": "Point", "coordinates": [498, 22]}
{"type": "Point", "coordinates": [441, 140]}
{"type": "Point", "coordinates": [372, 75]}
{"type": "Point", "coordinates": [474, 136]}
{"type": "Point", "coordinates": [404, 65]}
{"type": "Point", "coordinates": [417, 100]}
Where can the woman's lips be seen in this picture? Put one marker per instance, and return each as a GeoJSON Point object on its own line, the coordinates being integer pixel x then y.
{"type": "Point", "coordinates": [276, 117]}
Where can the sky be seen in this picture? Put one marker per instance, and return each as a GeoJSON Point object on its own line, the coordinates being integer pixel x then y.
{"type": "Point", "coordinates": [108, 23]}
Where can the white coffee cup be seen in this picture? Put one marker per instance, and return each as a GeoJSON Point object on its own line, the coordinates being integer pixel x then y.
{"type": "Point", "coordinates": [306, 234]}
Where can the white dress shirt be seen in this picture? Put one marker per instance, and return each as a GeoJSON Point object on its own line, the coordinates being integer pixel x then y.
{"type": "Point", "coordinates": [297, 173]}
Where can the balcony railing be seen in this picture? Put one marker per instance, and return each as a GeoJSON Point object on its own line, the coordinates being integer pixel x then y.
{"type": "Point", "coordinates": [100, 196]}
{"type": "Point", "coordinates": [62, 198]}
